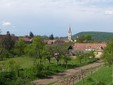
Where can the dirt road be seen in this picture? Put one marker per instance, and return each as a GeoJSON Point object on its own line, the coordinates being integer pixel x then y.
{"type": "Point", "coordinates": [66, 73]}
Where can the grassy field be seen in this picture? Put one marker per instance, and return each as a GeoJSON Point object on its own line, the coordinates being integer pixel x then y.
{"type": "Point", "coordinates": [24, 62]}
{"type": "Point", "coordinates": [102, 77]}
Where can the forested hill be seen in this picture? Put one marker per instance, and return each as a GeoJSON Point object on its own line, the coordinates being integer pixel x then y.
{"type": "Point", "coordinates": [99, 36]}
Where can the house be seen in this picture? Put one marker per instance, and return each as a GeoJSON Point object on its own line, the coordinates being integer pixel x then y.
{"type": "Point", "coordinates": [96, 47]}
{"type": "Point", "coordinates": [55, 41]}
{"type": "Point", "coordinates": [51, 42]}
{"type": "Point", "coordinates": [13, 37]}
{"type": "Point", "coordinates": [26, 39]}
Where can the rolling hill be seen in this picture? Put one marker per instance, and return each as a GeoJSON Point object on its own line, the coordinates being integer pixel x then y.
{"type": "Point", "coordinates": [99, 36]}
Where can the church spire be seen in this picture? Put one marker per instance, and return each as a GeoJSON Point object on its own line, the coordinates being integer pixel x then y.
{"type": "Point", "coordinates": [69, 34]}
{"type": "Point", "coordinates": [69, 30]}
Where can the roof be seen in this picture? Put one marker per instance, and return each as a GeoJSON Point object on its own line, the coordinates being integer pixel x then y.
{"type": "Point", "coordinates": [51, 41]}
{"type": "Point", "coordinates": [12, 37]}
{"type": "Point", "coordinates": [84, 46]}
{"type": "Point", "coordinates": [26, 39]}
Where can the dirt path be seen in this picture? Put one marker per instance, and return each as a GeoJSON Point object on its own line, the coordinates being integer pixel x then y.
{"type": "Point", "coordinates": [66, 73]}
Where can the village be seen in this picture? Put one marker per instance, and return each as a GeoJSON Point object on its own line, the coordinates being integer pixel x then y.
{"type": "Point", "coordinates": [97, 47]}
{"type": "Point", "coordinates": [62, 51]}
{"type": "Point", "coordinates": [56, 42]}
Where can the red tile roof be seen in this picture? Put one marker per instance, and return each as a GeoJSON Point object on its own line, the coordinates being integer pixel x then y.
{"type": "Point", "coordinates": [26, 39]}
{"type": "Point", "coordinates": [13, 37]}
{"type": "Point", "coordinates": [51, 41]}
{"type": "Point", "coordinates": [84, 46]}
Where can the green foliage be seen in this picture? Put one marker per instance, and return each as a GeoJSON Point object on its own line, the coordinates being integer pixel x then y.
{"type": "Point", "coordinates": [12, 72]}
{"type": "Point", "coordinates": [80, 56]}
{"type": "Point", "coordinates": [19, 48]}
{"type": "Point", "coordinates": [48, 53]}
{"type": "Point", "coordinates": [85, 57]}
{"type": "Point", "coordinates": [59, 51]}
{"type": "Point", "coordinates": [66, 59]}
{"type": "Point", "coordinates": [85, 39]}
{"type": "Point", "coordinates": [37, 48]}
{"type": "Point", "coordinates": [108, 52]}
{"type": "Point", "coordinates": [20, 70]}
{"type": "Point", "coordinates": [88, 37]}
{"type": "Point", "coordinates": [4, 54]}
{"type": "Point", "coordinates": [6, 77]}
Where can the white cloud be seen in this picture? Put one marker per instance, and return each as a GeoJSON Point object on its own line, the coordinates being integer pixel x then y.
{"type": "Point", "coordinates": [6, 24]}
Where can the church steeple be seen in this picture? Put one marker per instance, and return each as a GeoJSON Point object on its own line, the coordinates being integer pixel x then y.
{"type": "Point", "coordinates": [69, 30]}
{"type": "Point", "coordinates": [69, 34]}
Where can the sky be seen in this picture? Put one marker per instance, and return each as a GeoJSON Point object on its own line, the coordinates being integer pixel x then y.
{"type": "Point", "coordinates": [46, 17]}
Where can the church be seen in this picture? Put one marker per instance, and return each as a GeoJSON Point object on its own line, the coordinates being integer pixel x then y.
{"type": "Point", "coordinates": [69, 34]}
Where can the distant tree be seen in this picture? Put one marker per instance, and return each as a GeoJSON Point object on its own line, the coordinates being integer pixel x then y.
{"type": "Point", "coordinates": [84, 39]}
{"type": "Point", "coordinates": [51, 37]}
{"type": "Point", "coordinates": [80, 39]}
{"type": "Point", "coordinates": [8, 33]}
{"type": "Point", "coordinates": [88, 37]}
{"type": "Point", "coordinates": [31, 34]}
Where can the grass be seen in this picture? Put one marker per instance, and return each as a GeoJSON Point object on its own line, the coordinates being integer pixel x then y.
{"type": "Point", "coordinates": [27, 71]}
{"type": "Point", "coordinates": [24, 62]}
{"type": "Point", "coordinates": [102, 77]}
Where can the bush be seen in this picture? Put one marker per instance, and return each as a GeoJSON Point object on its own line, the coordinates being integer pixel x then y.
{"type": "Point", "coordinates": [7, 77]}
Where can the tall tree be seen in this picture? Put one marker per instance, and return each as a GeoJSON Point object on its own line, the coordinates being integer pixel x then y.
{"type": "Point", "coordinates": [59, 51]}
{"type": "Point", "coordinates": [31, 34]}
{"type": "Point", "coordinates": [19, 48]}
{"type": "Point", "coordinates": [49, 53]}
{"type": "Point", "coordinates": [51, 37]}
{"type": "Point", "coordinates": [8, 33]}
{"type": "Point", "coordinates": [38, 47]}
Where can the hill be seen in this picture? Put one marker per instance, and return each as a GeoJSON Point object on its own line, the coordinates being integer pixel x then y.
{"type": "Point", "coordinates": [99, 36]}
